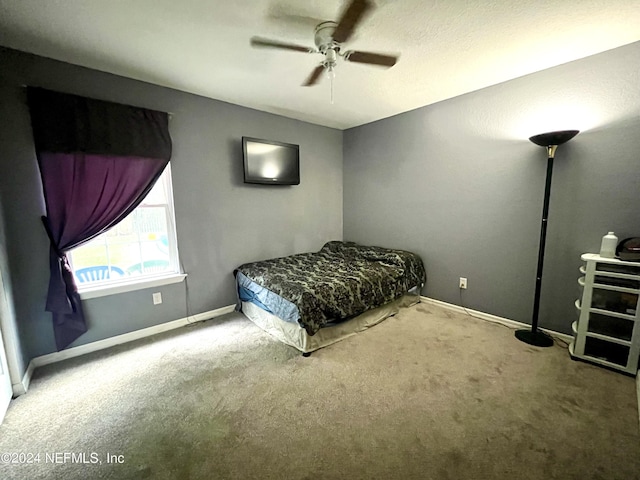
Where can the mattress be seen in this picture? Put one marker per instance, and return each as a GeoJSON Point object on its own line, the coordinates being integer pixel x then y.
{"type": "Point", "coordinates": [341, 281]}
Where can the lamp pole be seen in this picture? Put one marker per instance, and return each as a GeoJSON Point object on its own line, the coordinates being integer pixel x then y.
{"type": "Point", "coordinates": [551, 141]}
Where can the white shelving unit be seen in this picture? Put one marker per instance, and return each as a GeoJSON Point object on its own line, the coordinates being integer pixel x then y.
{"type": "Point", "coordinates": [607, 331]}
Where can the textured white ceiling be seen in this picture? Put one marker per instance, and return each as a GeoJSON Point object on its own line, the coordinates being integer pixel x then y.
{"type": "Point", "coordinates": [447, 47]}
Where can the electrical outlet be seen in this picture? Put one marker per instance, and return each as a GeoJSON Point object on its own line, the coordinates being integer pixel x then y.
{"type": "Point", "coordinates": [463, 283]}
{"type": "Point", "coordinates": [157, 298]}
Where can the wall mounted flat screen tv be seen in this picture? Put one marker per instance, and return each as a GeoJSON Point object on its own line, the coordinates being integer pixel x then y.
{"type": "Point", "coordinates": [270, 163]}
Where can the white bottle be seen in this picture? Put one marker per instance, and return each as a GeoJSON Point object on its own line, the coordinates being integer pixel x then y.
{"type": "Point", "coordinates": [609, 244]}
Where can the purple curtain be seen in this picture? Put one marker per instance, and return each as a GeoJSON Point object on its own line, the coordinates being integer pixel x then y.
{"type": "Point", "coordinates": [98, 160]}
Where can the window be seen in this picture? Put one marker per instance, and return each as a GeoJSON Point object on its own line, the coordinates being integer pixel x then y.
{"type": "Point", "coordinates": [141, 247]}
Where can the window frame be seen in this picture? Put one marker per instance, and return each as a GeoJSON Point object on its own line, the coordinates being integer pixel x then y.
{"type": "Point", "coordinates": [129, 284]}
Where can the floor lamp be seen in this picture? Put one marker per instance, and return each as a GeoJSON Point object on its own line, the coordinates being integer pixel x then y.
{"type": "Point", "coordinates": [551, 141]}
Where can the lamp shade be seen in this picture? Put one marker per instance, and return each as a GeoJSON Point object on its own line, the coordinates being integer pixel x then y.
{"type": "Point", "coordinates": [554, 138]}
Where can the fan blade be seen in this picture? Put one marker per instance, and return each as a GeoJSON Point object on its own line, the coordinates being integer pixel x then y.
{"type": "Point", "coordinates": [265, 42]}
{"type": "Point", "coordinates": [371, 58]}
{"type": "Point", "coordinates": [314, 77]}
{"type": "Point", "coordinates": [350, 18]}
{"type": "Point", "coordinates": [283, 14]}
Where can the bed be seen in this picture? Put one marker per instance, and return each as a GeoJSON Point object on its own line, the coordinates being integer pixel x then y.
{"type": "Point", "coordinates": [312, 300]}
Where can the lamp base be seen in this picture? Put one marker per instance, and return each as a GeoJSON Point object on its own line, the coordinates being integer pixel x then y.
{"type": "Point", "coordinates": [537, 338]}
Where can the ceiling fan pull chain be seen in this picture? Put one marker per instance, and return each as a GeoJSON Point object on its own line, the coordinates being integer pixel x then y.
{"type": "Point", "coordinates": [332, 75]}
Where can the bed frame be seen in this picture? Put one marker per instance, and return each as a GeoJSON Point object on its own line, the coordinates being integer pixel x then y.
{"type": "Point", "coordinates": [297, 337]}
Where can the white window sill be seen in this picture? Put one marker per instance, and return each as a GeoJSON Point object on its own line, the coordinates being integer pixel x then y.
{"type": "Point", "coordinates": [130, 286]}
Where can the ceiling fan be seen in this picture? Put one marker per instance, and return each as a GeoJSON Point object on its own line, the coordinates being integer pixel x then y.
{"type": "Point", "coordinates": [329, 37]}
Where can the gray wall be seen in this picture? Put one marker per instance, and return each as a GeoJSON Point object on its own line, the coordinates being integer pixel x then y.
{"type": "Point", "coordinates": [456, 182]}
{"type": "Point", "coordinates": [221, 222]}
{"type": "Point", "coordinates": [17, 362]}
{"type": "Point", "coordinates": [459, 183]}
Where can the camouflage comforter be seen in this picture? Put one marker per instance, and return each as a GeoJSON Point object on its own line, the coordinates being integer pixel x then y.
{"type": "Point", "coordinates": [340, 281]}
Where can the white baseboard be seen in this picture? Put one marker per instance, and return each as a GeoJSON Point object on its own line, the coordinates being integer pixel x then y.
{"type": "Point", "coordinates": [113, 341]}
{"type": "Point", "coordinates": [493, 318]}
{"type": "Point", "coordinates": [22, 386]}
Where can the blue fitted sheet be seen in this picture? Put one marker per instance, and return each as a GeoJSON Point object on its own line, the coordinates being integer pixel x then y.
{"type": "Point", "coordinates": [250, 291]}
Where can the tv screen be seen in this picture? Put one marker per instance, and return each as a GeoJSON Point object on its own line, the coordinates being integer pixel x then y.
{"type": "Point", "coordinates": [271, 163]}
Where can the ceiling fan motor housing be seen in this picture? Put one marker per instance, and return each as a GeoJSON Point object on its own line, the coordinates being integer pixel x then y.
{"type": "Point", "coordinates": [324, 37]}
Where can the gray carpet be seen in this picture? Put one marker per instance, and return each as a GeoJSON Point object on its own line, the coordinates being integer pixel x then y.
{"type": "Point", "coordinates": [428, 394]}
